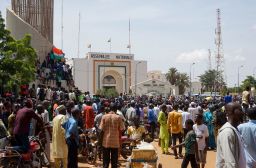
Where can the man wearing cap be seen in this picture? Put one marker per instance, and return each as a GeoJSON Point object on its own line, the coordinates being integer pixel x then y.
{"type": "Point", "coordinates": [59, 145]}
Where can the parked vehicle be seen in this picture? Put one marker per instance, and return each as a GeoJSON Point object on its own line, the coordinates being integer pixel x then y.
{"type": "Point", "coordinates": [89, 145]}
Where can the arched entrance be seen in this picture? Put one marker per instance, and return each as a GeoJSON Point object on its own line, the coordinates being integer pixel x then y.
{"type": "Point", "coordinates": [112, 79]}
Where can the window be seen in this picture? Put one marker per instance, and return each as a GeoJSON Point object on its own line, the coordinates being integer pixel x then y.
{"type": "Point", "coordinates": [109, 80]}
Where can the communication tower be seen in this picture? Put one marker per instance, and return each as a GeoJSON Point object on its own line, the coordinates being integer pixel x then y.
{"type": "Point", "coordinates": [219, 54]}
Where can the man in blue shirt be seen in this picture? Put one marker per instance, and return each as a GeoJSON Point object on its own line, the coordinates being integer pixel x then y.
{"type": "Point", "coordinates": [228, 98]}
{"type": "Point", "coordinates": [72, 138]}
{"type": "Point", "coordinates": [248, 132]}
{"type": "Point", "coordinates": [152, 120]}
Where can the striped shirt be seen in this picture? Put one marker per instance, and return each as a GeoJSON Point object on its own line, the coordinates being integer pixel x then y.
{"type": "Point", "coordinates": [111, 124]}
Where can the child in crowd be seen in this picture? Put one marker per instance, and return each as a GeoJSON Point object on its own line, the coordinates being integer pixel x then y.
{"type": "Point", "coordinates": [202, 135]}
{"type": "Point", "coordinates": [190, 143]}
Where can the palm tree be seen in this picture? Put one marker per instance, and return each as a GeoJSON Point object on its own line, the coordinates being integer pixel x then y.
{"type": "Point", "coordinates": [182, 82]}
{"type": "Point", "coordinates": [172, 75]}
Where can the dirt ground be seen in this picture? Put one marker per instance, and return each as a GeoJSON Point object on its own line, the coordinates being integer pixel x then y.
{"type": "Point", "coordinates": [166, 160]}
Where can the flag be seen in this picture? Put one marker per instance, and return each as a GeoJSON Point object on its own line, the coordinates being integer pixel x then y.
{"type": "Point", "coordinates": [56, 54]}
{"type": "Point", "coordinates": [109, 40]}
{"type": "Point", "coordinates": [89, 46]}
{"type": "Point", "coordinates": [129, 46]}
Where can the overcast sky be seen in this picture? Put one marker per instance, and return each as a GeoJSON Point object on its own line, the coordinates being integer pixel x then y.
{"type": "Point", "coordinates": [166, 33]}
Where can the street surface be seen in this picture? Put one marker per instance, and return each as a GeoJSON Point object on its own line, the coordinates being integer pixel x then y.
{"type": "Point", "coordinates": [167, 161]}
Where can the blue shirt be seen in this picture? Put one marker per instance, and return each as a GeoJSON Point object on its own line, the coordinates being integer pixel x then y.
{"type": "Point", "coordinates": [248, 132]}
{"type": "Point", "coordinates": [151, 116]}
{"type": "Point", "coordinates": [71, 128]}
{"type": "Point", "coordinates": [228, 99]}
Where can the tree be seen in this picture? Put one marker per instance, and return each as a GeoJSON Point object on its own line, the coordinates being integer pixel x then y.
{"type": "Point", "coordinates": [17, 63]}
{"type": "Point", "coordinates": [172, 75]}
{"type": "Point", "coordinates": [182, 82]}
{"type": "Point", "coordinates": [107, 92]}
{"type": "Point", "coordinates": [249, 81]}
{"type": "Point", "coordinates": [209, 82]}
{"type": "Point", "coordinates": [178, 79]}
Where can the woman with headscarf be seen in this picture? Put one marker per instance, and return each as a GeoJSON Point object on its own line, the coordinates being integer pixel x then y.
{"type": "Point", "coordinates": [208, 117]}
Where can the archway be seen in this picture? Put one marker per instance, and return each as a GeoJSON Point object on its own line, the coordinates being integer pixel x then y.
{"type": "Point", "coordinates": [112, 79]}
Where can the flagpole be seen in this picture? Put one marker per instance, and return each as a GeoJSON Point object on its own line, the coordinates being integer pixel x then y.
{"type": "Point", "coordinates": [110, 46]}
{"type": "Point", "coordinates": [78, 43]}
{"type": "Point", "coordinates": [62, 25]}
{"type": "Point", "coordinates": [129, 36]}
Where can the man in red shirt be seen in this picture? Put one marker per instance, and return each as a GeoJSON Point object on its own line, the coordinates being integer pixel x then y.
{"type": "Point", "coordinates": [22, 123]}
{"type": "Point", "coordinates": [88, 115]}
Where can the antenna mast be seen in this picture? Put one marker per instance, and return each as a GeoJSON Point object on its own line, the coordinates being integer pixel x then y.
{"type": "Point", "coordinates": [219, 58]}
{"type": "Point", "coordinates": [130, 37]}
{"type": "Point", "coordinates": [209, 59]}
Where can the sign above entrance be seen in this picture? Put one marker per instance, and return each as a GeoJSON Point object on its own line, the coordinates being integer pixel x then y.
{"type": "Point", "coordinates": [110, 56]}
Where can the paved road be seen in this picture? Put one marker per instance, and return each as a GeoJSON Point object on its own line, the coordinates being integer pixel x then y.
{"type": "Point", "coordinates": [167, 161]}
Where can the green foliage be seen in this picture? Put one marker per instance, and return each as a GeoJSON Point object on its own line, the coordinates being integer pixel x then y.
{"type": "Point", "coordinates": [178, 79]}
{"type": "Point", "coordinates": [107, 92]}
{"type": "Point", "coordinates": [209, 82]}
{"type": "Point", "coordinates": [17, 63]}
{"type": "Point", "coordinates": [249, 81]}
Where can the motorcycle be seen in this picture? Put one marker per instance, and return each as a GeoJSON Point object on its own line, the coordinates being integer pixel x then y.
{"type": "Point", "coordinates": [10, 157]}
{"type": "Point", "coordinates": [39, 150]}
{"type": "Point", "coordinates": [89, 145]}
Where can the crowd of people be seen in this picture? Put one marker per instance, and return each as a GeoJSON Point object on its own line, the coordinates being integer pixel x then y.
{"type": "Point", "coordinates": [52, 71]}
{"type": "Point", "coordinates": [224, 124]}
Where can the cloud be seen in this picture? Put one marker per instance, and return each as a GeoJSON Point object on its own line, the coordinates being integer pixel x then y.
{"type": "Point", "coordinates": [236, 55]}
{"type": "Point", "coordinates": [193, 56]}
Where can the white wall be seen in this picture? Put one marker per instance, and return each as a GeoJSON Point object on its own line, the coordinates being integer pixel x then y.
{"type": "Point", "coordinates": [19, 28]}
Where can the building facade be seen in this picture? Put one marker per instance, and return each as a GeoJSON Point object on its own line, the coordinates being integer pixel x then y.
{"type": "Point", "coordinates": [35, 18]}
{"type": "Point", "coordinates": [155, 85]}
{"type": "Point", "coordinates": [107, 70]}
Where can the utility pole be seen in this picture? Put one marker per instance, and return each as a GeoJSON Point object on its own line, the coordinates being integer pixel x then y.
{"type": "Point", "coordinates": [78, 42]}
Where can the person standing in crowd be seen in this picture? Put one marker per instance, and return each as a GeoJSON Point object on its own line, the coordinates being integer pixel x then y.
{"type": "Point", "coordinates": [208, 117]}
{"type": "Point", "coordinates": [246, 98]}
{"type": "Point", "coordinates": [11, 120]}
{"type": "Point", "coordinates": [32, 91]}
{"type": "Point", "coordinates": [193, 110]}
{"type": "Point", "coordinates": [191, 148]}
{"type": "Point", "coordinates": [131, 113]}
{"type": "Point", "coordinates": [230, 149]}
{"type": "Point", "coordinates": [248, 132]}
{"type": "Point", "coordinates": [88, 115]}
{"type": "Point", "coordinates": [228, 98]}
{"type": "Point", "coordinates": [164, 133]}
{"type": "Point", "coordinates": [185, 116]}
{"type": "Point", "coordinates": [202, 135]}
{"type": "Point", "coordinates": [72, 138]}
{"type": "Point", "coordinates": [59, 145]}
{"type": "Point", "coordinates": [111, 125]}
{"type": "Point", "coordinates": [175, 127]}
{"type": "Point", "coordinates": [48, 93]}
{"type": "Point", "coordinates": [22, 123]}
{"type": "Point", "coordinates": [152, 120]}
{"type": "Point", "coordinates": [6, 112]}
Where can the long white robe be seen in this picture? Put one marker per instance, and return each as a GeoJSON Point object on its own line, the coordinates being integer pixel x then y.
{"type": "Point", "coordinates": [59, 146]}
